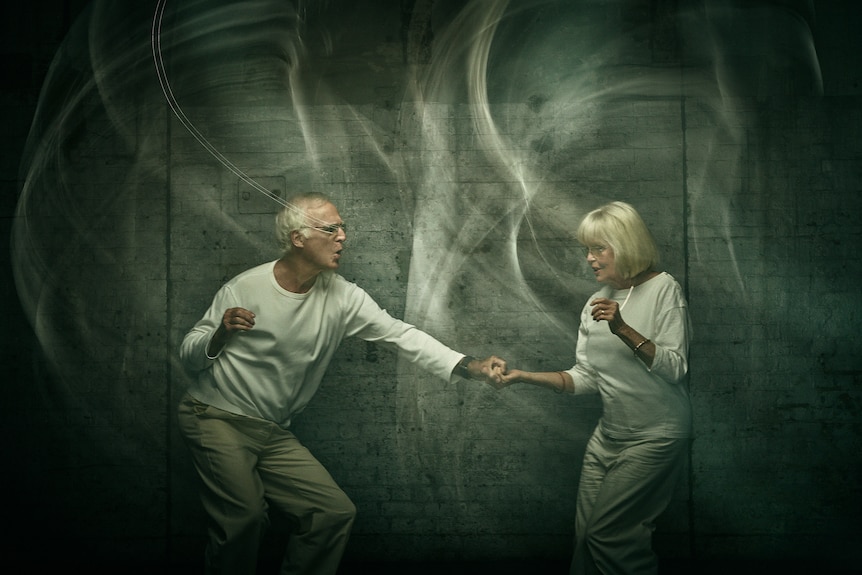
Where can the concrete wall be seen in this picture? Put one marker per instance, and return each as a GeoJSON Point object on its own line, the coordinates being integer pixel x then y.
{"type": "Point", "coordinates": [742, 153]}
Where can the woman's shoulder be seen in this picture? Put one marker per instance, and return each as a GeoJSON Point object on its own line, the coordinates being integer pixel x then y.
{"type": "Point", "coordinates": [665, 284]}
{"type": "Point", "coordinates": [660, 279]}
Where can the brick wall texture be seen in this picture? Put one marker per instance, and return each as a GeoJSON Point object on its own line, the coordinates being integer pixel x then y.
{"type": "Point", "coordinates": [123, 223]}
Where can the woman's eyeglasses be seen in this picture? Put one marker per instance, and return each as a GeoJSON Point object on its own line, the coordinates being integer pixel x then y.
{"type": "Point", "coordinates": [595, 251]}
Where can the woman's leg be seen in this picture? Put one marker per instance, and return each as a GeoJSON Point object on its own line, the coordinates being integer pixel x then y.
{"type": "Point", "coordinates": [626, 486]}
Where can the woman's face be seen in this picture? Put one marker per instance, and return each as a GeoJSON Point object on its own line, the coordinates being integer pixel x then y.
{"type": "Point", "coordinates": [600, 256]}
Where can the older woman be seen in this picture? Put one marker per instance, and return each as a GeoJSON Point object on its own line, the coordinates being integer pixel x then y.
{"type": "Point", "coordinates": [632, 349]}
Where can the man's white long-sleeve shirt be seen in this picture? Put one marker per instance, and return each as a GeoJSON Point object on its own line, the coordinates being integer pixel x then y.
{"type": "Point", "coordinates": [273, 370]}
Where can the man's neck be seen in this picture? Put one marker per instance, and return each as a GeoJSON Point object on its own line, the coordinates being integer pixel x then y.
{"type": "Point", "coordinates": [294, 275]}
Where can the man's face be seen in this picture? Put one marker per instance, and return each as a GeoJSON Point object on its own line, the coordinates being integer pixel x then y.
{"type": "Point", "coordinates": [326, 237]}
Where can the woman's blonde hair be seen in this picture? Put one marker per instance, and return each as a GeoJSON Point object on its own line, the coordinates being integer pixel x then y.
{"type": "Point", "coordinates": [619, 226]}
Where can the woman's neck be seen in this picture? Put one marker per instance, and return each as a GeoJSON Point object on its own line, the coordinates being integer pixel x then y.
{"type": "Point", "coordinates": [640, 278]}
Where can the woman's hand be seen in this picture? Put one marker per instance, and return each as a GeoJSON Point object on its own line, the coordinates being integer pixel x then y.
{"type": "Point", "coordinates": [511, 376]}
{"type": "Point", "coordinates": [607, 310]}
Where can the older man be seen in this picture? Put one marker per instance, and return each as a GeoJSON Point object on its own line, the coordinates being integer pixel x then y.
{"type": "Point", "coordinates": [258, 356]}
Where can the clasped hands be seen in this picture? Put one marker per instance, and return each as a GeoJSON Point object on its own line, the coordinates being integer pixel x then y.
{"type": "Point", "coordinates": [494, 371]}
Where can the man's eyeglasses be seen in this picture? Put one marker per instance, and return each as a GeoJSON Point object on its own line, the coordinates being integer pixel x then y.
{"type": "Point", "coordinates": [595, 251]}
{"type": "Point", "coordinates": [330, 228]}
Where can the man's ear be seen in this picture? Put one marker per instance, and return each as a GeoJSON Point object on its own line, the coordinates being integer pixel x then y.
{"type": "Point", "coordinates": [297, 239]}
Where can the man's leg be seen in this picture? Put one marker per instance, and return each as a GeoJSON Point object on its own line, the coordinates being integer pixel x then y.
{"type": "Point", "coordinates": [298, 485]}
{"type": "Point", "coordinates": [224, 454]}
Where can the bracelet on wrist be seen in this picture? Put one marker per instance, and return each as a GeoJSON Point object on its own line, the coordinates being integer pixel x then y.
{"type": "Point", "coordinates": [462, 369]}
{"type": "Point", "coordinates": [638, 346]}
{"type": "Point", "coordinates": [563, 381]}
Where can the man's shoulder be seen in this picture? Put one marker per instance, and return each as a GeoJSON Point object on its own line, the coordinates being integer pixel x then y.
{"type": "Point", "coordinates": [332, 281]}
{"type": "Point", "coordinates": [253, 274]}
